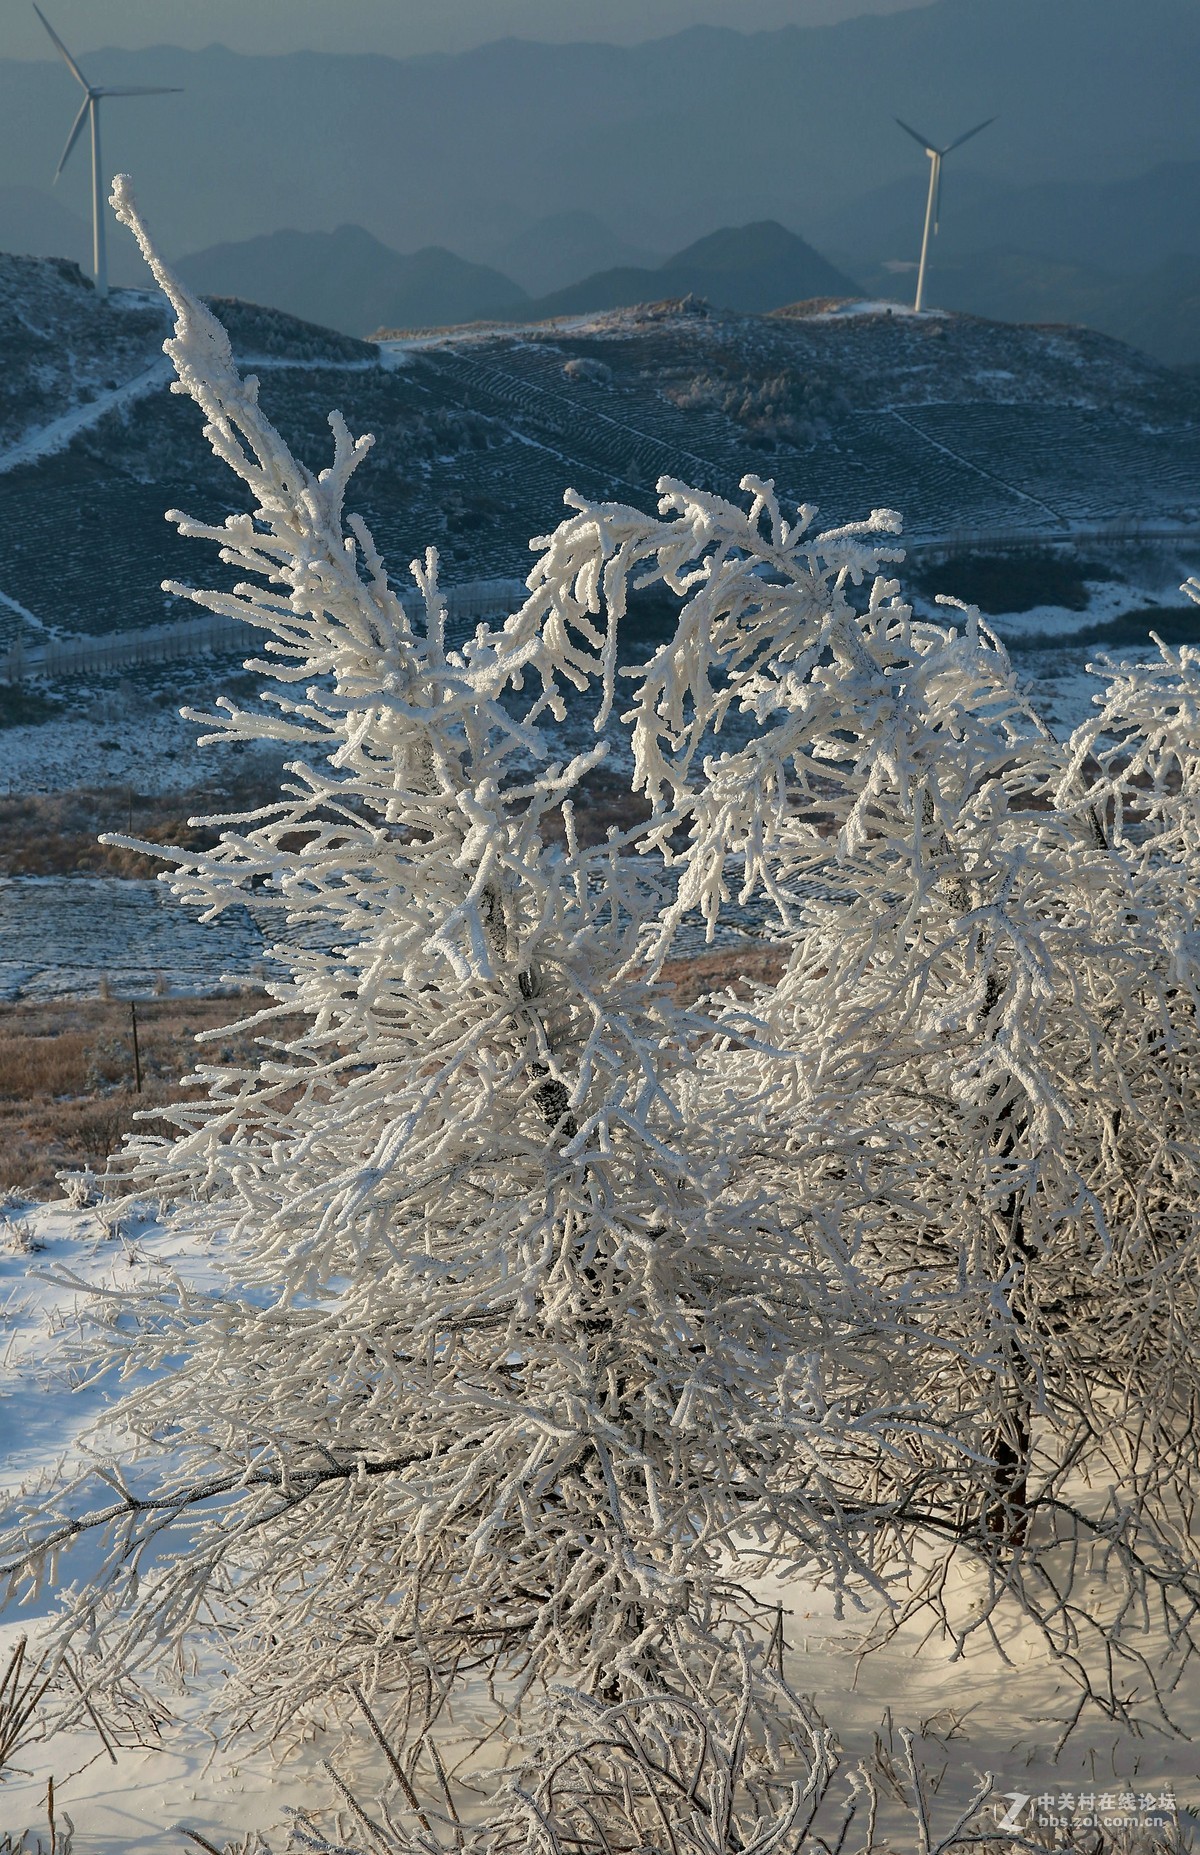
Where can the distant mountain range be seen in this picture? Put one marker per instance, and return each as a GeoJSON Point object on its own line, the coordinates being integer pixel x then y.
{"type": "Point", "coordinates": [511, 172]}
{"type": "Point", "coordinates": [752, 267]}
{"type": "Point", "coordinates": [348, 280]}
{"type": "Point", "coordinates": [559, 249]}
{"type": "Point", "coordinates": [662, 140]}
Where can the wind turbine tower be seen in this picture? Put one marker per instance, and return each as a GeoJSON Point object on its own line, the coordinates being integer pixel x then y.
{"type": "Point", "coordinates": [933, 203]}
{"type": "Point", "coordinates": [89, 111]}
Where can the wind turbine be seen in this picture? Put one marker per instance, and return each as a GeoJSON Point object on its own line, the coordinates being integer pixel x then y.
{"type": "Point", "coordinates": [934, 201]}
{"type": "Point", "coordinates": [89, 109]}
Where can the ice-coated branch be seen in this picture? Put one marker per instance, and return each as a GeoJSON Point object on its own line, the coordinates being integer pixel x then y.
{"type": "Point", "coordinates": [991, 1001]}
{"type": "Point", "coordinates": [526, 1309]}
{"type": "Point", "coordinates": [535, 1314]}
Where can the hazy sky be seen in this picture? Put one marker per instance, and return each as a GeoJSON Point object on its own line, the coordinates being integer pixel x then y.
{"type": "Point", "coordinates": [398, 28]}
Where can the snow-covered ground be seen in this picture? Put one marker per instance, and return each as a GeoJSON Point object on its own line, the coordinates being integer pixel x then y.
{"type": "Point", "coordinates": [61, 936]}
{"type": "Point", "coordinates": [121, 1806]}
{"type": "Point", "coordinates": [877, 306]}
{"type": "Point", "coordinates": [1042, 640]}
{"type": "Point", "coordinates": [1067, 691]}
{"type": "Point", "coordinates": [60, 432]}
{"type": "Point", "coordinates": [997, 1711]}
{"type": "Point", "coordinates": [113, 741]}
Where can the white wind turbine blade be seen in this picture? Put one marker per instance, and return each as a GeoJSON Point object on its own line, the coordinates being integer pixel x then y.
{"type": "Point", "coordinates": [63, 52]}
{"type": "Point", "coordinates": [933, 201]}
{"type": "Point", "coordinates": [76, 132]}
{"type": "Point", "coordinates": [90, 109]}
{"type": "Point", "coordinates": [969, 134]}
{"type": "Point", "coordinates": [924, 141]}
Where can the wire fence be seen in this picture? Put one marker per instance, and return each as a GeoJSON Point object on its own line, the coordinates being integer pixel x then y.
{"type": "Point", "coordinates": [481, 599]}
{"type": "Point", "coordinates": [90, 656]}
{"type": "Point", "coordinates": [1120, 531]}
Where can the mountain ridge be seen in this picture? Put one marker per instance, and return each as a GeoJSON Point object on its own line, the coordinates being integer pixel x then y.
{"type": "Point", "coordinates": [350, 281]}
{"type": "Point", "coordinates": [756, 267]}
{"type": "Point", "coordinates": [661, 139]}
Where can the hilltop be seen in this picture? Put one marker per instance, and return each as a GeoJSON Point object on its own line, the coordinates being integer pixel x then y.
{"type": "Point", "coordinates": [1157, 309]}
{"type": "Point", "coordinates": [63, 352]}
{"type": "Point", "coordinates": [753, 267]}
{"type": "Point", "coordinates": [969, 427]}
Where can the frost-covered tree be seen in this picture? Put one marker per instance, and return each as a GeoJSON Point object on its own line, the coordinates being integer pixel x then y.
{"type": "Point", "coordinates": [538, 1312]}
{"type": "Point", "coordinates": [513, 1343]}
{"type": "Point", "coordinates": [991, 1000]}
{"type": "Point", "coordinates": [1011, 993]}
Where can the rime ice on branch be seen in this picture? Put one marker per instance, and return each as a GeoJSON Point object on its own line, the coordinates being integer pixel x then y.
{"type": "Point", "coordinates": [991, 1006]}
{"type": "Point", "coordinates": [549, 1310]}
{"type": "Point", "coordinates": [522, 1327]}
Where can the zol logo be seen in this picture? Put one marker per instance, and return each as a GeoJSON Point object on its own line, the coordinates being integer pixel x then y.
{"type": "Point", "coordinates": [1011, 1819]}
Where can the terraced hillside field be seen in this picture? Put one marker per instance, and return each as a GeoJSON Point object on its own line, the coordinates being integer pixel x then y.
{"type": "Point", "coordinates": [965, 426]}
{"type": "Point", "coordinates": [962, 424]}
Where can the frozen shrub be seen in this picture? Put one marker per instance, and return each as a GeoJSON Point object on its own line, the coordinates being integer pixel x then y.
{"type": "Point", "coordinates": [541, 1313]}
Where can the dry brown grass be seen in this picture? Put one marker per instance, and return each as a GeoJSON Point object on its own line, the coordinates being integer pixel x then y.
{"type": "Point", "coordinates": [54, 833]}
{"type": "Point", "coordinates": [67, 1094]}
{"type": "Point", "coordinates": [724, 967]}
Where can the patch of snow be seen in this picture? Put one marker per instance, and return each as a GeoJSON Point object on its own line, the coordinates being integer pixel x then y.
{"type": "Point", "coordinates": [60, 432]}
{"type": "Point", "coordinates": [152, 750]}
{"type": "Point", "coordinates": [1107, 600]}
{"type": "Point", "coordinates": [22, 611]}
{"type": "Point", "coordinates": [140, 299]}
{"type": "Point", "coordinates": [1065, 691]}
{"type": "Point", "coordinates": [877, 306]}
{"type": "Point", "coordinates": [124, 1807]}
{"type": "Point", "coordinates": [998, 1708]}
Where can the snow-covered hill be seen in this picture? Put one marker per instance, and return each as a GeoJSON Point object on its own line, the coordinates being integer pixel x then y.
{"type": "Point", "coordinates": [967, 426]}
{"type": "Point", "coordinates": [61, 348]}
{"type": "Point", "coordinates": [65, 354]}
